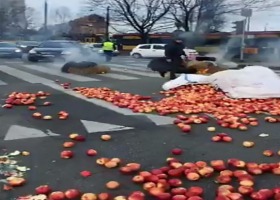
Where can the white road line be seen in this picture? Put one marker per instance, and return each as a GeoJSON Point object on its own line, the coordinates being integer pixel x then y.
{"type": "Point", "coordinates": [3, 83]}
{"type": "Point", "coordinates": [124, 66]}
{"type": "Point", "coordinates": [55, 72]}
{"type": "Point", "coordinates": [30, 78]}
{"type": "Point", "coordinates": [147, 74]}
{"type": "Point", "coordinates": [118, 76]}
{"type": "Point", "coordinates": [144, 65]}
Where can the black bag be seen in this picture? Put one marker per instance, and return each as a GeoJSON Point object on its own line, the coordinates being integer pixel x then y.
{"type": "Point", "coordinates": [160, 65]}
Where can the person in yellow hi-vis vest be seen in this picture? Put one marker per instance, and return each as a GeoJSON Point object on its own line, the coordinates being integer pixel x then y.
{"type": "Point", "coordinates": [108, 48]}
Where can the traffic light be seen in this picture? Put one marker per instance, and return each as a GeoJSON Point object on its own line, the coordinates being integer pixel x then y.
{"type": "Point", "coordinates": [239, 27]}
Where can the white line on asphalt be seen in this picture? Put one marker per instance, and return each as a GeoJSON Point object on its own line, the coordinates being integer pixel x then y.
{"type": "Point", "coordinates": [124, 66]}
{"type": "Point", "coordinates": [147, 74]}
{"type": "Point", "coordinates": [3, 83]}
{"type": "Point", "coordinates": [55, 72]}
{"type": "Point", "coordinates": [30, 78]}
{"type": "Point", "coordinates": [144, 65]}
{"type": "Point", "coordinates": [118, 76]}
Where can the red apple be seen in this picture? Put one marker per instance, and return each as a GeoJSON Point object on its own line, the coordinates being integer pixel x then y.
{"type": "Point", "coordinates": [175, 182]}
{"type": "Point", "coordinates": [91, 152]}
{"type": "Point", "coordinates": [177, 151]}
{"type": "Point", "coordinates": [195, 191]}
{"type": "Point", "coordinates": [43, 189]}
{"type": "Point", "coordinates": [66, 154]}
{"type": "Point", "coordinates": [72, 194]}
{"type": "Point", "coordinates": [179, 197]}
{"type": "Point", "coordinates": [179, 191]}
{"type": "Point", "coordinates": [268, 153]}
{"type": "Point", "coordinates": [57, 195]}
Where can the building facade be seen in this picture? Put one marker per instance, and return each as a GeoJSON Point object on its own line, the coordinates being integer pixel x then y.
{"type": "Point", "coordinates": [88, 29]}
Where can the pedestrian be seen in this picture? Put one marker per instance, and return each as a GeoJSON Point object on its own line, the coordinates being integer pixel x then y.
{"type": "Point", "coordinates": [174, 53]}
{"type": "Point", "coordinates": [108, 48]}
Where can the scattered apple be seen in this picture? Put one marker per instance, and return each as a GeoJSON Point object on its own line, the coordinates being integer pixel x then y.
{"type": "Point", "coordinates": [91, 152]}
{"type": "Point", "coordinates": [211, 129]}
{"type": "Point", "coordinates": [111, 164]}
{"type": "Point", "coordinates": [15, 181]}
{"type": "Point", "coordinates": [177, 151]}
{"type": "Point", "coordinates": [268, 153]}
{"type": "Point", "coordinates": [47, 117]}
{"type": "Point", "coordinates": [57, 195]}
{"type": "Point", "coordinates": [89, 196]}
{"type": "Point", "coordinates": [106, 137]}
{"type": "Point", "coordinates": [248, 144]}
{"type": "Point", "coordinates": [32, 108]}
{"type": "Point", "coordinates": [103, 196]}
{"type": "Point", "coordinates": [72, 194]}
{"type": "Point", "coordinates": [37, 115]}
{"type": "Point", "coordinates": [43, 189]}
{"type": "Point", "coordinates": [68, 144]}
{"type": "Point", "coordinates": [66, 154]}
{"type": "Point", "coordinates": [47, 103]}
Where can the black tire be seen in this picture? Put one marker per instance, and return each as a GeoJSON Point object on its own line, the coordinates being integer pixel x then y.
{"type": "Point", "coordinates": [137, 55]}
{"type": "Point", "coordinates": [33, 60]}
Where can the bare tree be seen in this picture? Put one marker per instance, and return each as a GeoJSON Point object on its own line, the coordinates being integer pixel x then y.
{"type": "Point", "coordinates": [31, 15]}
{"type": "Point", "coordinates": [141, 15]}
{"type": "Point", "coordinates": [62, 15]}
{"type": "Point", "coordinates": [208, 14]}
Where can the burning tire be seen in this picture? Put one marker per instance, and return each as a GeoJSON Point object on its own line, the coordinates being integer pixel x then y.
{"type": "Point", "coordinates": [84, 68]}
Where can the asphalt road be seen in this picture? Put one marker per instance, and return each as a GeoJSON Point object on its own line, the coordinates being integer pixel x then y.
{"type": "Point", "coordinates": [148, 140]}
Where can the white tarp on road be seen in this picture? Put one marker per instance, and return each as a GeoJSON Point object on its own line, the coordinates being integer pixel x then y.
{"type": "Point", "coordinates": [250, 82]}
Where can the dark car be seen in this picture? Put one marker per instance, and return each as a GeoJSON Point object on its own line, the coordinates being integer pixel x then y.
{"type": "Point", "coordinates": [9, 50]}
{"type": "Point", "coordinates": [26, 46]}
{"type": "Point", "coordinates": [63, 50]}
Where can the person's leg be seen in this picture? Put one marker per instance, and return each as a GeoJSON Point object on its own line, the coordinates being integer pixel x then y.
{"type": "Point", "coordinates": [176, 64]}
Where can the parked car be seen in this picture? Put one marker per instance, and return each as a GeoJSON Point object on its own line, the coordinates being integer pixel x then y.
{"type": "Point", "coordinates": [155, 51]}
{"type": "Point", "coordinates": [26, 46]}
{"type": "Point", "coordinates": [9, 50]}
{"type": "Point", "coordinates": [97, 47]}
{"type": "Point", "coordinates": [58, 50]}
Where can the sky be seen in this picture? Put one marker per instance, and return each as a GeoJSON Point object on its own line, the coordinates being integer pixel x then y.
{"type": "Point", "coordinates": [260, 21]}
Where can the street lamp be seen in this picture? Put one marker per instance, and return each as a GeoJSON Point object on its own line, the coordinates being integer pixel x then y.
{"type": "Point", "coordinates": [46, 15]}
{"type": "Point", "coordinates": [107, 23]}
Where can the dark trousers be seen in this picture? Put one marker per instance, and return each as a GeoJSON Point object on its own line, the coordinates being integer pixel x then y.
{"type": "Point", "coordinates": [177, 63]}
{"type": "Point", "coordinates": [108, 55]}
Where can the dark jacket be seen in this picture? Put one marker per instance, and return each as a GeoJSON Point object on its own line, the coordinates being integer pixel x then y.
{"type": "Point", "coordinates": [174, 50]}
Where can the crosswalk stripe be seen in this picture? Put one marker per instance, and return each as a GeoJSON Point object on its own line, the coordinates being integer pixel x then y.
{"type": "Point", "coordinates": [56, 72]}
{"type": "Point", "coordinates": [118, 76]}
{"type": "Point", "coordinates": [147, 74]}
{"type": "Point", "coordinates": [123, 66]}
{"type": "Point", "coordinates": [30, 78]}
{"type": "Point", "coordinates": [3, 83]}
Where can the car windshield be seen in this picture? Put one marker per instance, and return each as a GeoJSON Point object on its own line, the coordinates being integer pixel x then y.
{"type": "Point", "coordinates": [28, 43]}
{"type": "Point", "coordinates": [8, 45]}
{"type": "Point", "coordinates": [97, 45]}
{"type": "Point", "coordinates": [59, 45]}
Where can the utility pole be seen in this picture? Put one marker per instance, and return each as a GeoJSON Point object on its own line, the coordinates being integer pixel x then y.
{"type": "Point", "coordinates": [107, 23]}
{"type": "Point", "coordinates": [46, 16]}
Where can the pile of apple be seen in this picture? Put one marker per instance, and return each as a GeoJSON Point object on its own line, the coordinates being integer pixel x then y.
{"type": "Point", "coordinates": [29, 99]}
{"type": "Point", "coordinates": [193, 99]}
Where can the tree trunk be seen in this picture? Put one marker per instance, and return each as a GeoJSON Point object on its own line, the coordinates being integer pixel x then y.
{"type": "Point", "coordinates": [144, 37]}
{"type": "Point", "coordinates": [186, 22]}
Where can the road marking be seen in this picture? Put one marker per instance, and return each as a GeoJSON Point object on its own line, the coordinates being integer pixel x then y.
{"type": "Point", "coordinates": [17, 132]}
{"type": "Point", "coordinates": [55, 72]}
{"type": "Point", "coordinates": [30, 78]}
{"type": "Point", "coordinates": [118, 76]}
{"type": "Point", "coordinates": [95, 127]}
{"type": "Point", "coordinates": [147, 74]}
{"type": "Point", "coordinates": [3, 83]}
{"type": "Point", "coordinates": [144, 65]}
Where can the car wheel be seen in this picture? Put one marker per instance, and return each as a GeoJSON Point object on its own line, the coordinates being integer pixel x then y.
{"type": "Point", "coordinates": [32, 59]}
{"type": "Point", "coordinates": [137, 55]}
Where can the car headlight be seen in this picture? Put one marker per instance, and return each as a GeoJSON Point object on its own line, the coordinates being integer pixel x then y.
{"type": "Point", "coordinates": [65, 52]}
{"type": "Point", "coordinates": [32, 51]}
{"type": "Point", "coordinates": [17, 50]}
{"type": "Point", "coordinates": [23, 46]}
